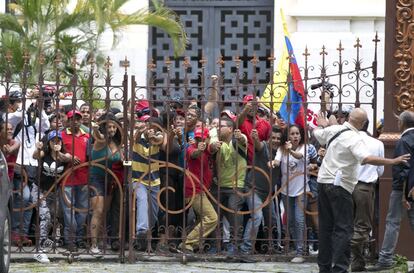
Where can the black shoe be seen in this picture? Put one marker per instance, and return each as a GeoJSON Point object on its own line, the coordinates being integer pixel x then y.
{"type": "Point", "coordinates": [81, 244]}
{"type": "Point", "coordinates": [115, 245]}
{"type": "Point", "coordinates": [72, 248]}
{"type": "Point", "coordinates": [358, 269]}
{"type": "Point", "coordinates": [140, 243]}
{"type": "Point", "coordinates": [379, 267]}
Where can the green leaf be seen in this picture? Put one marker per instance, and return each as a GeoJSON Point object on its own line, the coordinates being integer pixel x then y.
{"type": "Point", "coordinates": [10, 22]}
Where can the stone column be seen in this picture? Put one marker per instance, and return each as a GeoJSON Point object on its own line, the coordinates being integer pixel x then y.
{"type": "Point", "coordinates": [398, 97]}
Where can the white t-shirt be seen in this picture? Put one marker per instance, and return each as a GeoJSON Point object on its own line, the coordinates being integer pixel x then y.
{"type": "Point", "coordinates": [295, 171]}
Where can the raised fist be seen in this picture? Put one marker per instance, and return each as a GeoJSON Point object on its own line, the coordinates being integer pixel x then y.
{"type": "Point", "coordinates": [237, 134]}
{"type": "Point", "coordinates": [201, 146]}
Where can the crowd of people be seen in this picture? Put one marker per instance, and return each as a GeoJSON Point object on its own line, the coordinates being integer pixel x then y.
{"type": "Point", "coordinates": [199, 183]}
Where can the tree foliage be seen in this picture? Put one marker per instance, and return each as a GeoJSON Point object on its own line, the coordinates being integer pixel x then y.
{"type": "Point", "coordinates": [50, 26]}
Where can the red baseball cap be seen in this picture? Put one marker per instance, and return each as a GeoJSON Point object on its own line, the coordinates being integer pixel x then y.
{"type": "Point", "coordinates": [180, 112]}
{"type": "Point", "coordinates": [141, 105]}
{"type": "Point", "coordinates": [202, 133]}
{"type": "Point", "coordinates": [247, 98]}
{"type": "Point", "coordinates": [71, 113]}
{"type": "Point", "coordinates": [229, 114]}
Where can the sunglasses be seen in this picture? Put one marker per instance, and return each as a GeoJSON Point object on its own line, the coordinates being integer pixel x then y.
{"type": "Point", "coordinates": [143, 112]}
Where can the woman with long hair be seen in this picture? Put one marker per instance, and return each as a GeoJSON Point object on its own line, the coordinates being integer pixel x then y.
{"type": "Point", "coordinates": [106, 151]}
{"type": "Point", "coordinates": [291, 158]}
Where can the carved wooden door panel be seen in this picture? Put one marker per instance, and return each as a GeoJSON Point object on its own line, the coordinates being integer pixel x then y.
{"type": "Point", "coordinates": [216, 28]}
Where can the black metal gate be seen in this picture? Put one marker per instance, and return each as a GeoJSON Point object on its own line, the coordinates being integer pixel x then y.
{"type": "Point", "coordinates": [352, 84]}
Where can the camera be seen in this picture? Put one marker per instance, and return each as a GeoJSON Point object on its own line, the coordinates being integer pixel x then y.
{"type": "Point", "coordinates": [326, 85]}
{"type": "Point", "coordinates": [48, 93]}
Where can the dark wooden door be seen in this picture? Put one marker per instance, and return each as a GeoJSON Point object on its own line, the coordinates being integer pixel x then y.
{"type": "Point", "coordinates": [216, 28]}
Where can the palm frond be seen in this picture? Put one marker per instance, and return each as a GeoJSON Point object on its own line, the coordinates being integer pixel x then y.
{"type": "Point", "coordinates": [10, 22]}
{"type": "Point", "coordinates": [165, 20]}
{"type": "Point", "coordinates": [117, 4]}
{"type": "Point", "coordinates": [73, 20]}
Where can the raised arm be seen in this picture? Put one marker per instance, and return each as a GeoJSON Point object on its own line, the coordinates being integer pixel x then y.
{"type": "Point", "coordinates": [243, 114]}
{"type": "Point", "coordinates": [258, 145]}
{"type": "Point", "coordinates": [38, 153]}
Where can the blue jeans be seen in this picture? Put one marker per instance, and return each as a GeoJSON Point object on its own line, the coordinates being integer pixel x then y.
{"type": "Point", "coordinates": [257, 218]}
{"type": "Point", "coordinates": [392, 226]}
{"type": "Point", "coordinates": [21, 199]}
{"type": "Point", "coordinates": [296, 219]}
{"type": "Point", "coordinates": [147, 207]}
{"type": "Point", "coordinates": [74, 222]}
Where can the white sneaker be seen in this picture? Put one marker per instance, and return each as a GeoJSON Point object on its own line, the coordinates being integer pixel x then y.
{"type": "Point", "coordinates": [313, 252]}
{"type": "Point", "coordinates": [96, 252]}
{"type": "Point", "coordinates": [41, 258]}
{"type": "Point", "coordinates": [298, 260]}
{"type": "Point", "coordinates": [47, 243]}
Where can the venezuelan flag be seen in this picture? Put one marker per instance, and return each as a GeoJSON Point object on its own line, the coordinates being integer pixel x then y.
{"type": "Point", "coordinates": [288, 90]}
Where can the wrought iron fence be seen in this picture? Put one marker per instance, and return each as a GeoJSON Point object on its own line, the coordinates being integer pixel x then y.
{"type": "Point", "coordinates": [130, 185]}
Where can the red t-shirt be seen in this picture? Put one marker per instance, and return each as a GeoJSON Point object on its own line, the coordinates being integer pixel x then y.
{"type": "Point", "coordinates": [79, 144]}
{"type": "Point", "coordinates": [118, 170]}
{"type": "Point", "coordinates": [263, 128]}
{"type": "Point", "coordinates": [195, 166]}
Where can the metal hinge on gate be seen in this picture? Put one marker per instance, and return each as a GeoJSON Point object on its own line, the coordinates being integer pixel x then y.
{"type": "Point", "coordinates": [127, 163]}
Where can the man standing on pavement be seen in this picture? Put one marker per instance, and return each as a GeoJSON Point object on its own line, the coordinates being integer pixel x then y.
{"type": "Point", "coordinates": [364, 197]}
{"type": "Point", "coordinates": [337, 178]}
{"type": "Point", "coordinates": [75, 191]}
{"type": "Point", "coordinates": [401, 174]}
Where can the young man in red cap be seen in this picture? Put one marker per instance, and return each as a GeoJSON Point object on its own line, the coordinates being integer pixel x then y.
{"type": "Point", "coordinates": [199, 163]}
{"type": "Point", "coordinates": [249, 120]}
{"type": "Point", "coordinates": [75, 192]}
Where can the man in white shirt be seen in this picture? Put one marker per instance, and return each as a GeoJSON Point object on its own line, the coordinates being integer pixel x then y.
{"type": "Point", "coordinates": [364, 197]}
{"type": "Point", "coordinates": [29, 126]}
{"type": "Point", "coordinates": [337, 178]}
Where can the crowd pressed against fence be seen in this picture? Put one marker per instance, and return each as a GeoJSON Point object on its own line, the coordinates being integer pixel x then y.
{"type": "Point", "coordinates": [234, 184]}
{"type": "Point", "coordinates": [187, 176]}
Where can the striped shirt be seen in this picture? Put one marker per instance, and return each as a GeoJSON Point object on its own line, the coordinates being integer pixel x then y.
{"type": "Point", "coordinates": [143, 170]}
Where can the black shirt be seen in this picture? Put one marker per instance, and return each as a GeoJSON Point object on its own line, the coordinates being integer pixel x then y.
{"type": "Point", "coordinates": [51, 171]}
